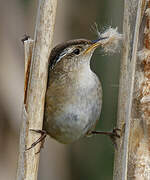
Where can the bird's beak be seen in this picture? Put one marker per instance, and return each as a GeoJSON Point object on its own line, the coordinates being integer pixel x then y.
{"type": "Point", "coordinates": [95, 44]}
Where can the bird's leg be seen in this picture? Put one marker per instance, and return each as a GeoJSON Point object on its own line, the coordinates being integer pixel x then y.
{"type": "Point", "coordinates": [41, 139]}
{"type": "Point", "coordinates": [112, 134]}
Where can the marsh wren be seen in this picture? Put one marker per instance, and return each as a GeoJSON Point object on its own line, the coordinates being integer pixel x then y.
{"type": "Point", "coordinates": [74, 94]}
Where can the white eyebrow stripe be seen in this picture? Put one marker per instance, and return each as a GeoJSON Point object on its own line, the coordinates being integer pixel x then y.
{"type": "Point", "coordinates": [67, 50]}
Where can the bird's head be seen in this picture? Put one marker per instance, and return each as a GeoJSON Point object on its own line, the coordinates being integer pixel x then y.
{"type": "Point", "coordinates": [72, 54]}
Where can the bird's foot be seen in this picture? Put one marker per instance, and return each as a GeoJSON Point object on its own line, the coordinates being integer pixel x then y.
{"type": "Point", "coordinates": [41, 139]}
{"type": "Point", "coordinates": [114, 134]}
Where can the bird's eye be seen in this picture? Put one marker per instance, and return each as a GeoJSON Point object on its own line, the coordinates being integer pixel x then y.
{"type": "Point", "coordinates": [76, 51]}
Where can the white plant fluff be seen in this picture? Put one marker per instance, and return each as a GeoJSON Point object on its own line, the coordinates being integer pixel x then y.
{"type": "Point", "coordinates": [112, 39]}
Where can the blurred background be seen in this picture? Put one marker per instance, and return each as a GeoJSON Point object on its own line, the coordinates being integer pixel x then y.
{"type": "Point", "coordinates": [89, 158]}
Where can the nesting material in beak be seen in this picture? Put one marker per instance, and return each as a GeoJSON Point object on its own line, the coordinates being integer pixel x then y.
{"type": "Point", "coordinates": [95, 44]}
{"type": "Point", "coordinates": [108, 40]}
{"type": "Point", "coordinates": [113, 42]}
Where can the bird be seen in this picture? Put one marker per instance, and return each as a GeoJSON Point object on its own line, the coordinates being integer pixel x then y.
{"type": "Point", "coordinates": [73, 99]}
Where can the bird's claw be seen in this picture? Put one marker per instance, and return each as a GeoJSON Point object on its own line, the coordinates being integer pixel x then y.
{"type": "Point", "coordinates": [114, 135]}
{"type": "Point", "coordinates": [41, 139]}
